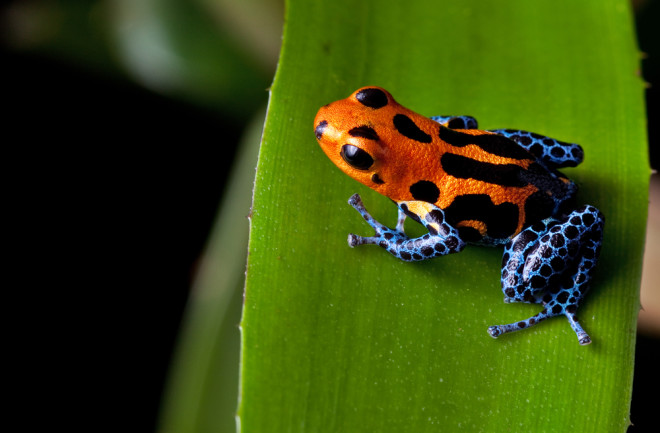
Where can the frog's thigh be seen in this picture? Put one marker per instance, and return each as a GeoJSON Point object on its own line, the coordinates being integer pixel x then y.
{"type": "Point", "coordinates": [516, 254]}
{"type": "Point", "coordinates": [553, 255]}
{"type": "Point", "coordinates": [582, 230]}
{"type": "Point", "coordinates": [553, 267]}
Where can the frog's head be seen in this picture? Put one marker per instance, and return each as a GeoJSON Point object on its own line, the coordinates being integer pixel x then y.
{"type": "Point", "coordinates": [350, 132]}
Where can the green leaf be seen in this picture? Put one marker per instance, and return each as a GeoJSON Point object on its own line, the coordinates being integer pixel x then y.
{"type": "Point", "coordinates": [352, 340]}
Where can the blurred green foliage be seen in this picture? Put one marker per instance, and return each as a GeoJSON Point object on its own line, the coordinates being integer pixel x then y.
{"type": "Point", "coordinates": [190, 50]}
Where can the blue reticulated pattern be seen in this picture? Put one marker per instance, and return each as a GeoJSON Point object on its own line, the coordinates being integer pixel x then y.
{"type": "Point", "coordinates": [553, 153]}
{"type": "Point", "coordinates": [551, 263]}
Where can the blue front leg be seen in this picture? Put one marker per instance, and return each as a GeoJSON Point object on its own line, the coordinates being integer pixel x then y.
{"type": "Point", "coordinates": [442, 238]}
{"type": "Point", "coordinates": [551, 263]}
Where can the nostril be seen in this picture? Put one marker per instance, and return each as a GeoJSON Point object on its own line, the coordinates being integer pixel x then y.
{"type": "Point", "coordinates": [320, 128]}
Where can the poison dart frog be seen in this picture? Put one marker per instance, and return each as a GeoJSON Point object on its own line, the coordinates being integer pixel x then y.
{"type": "Point", "coordinates": [470, 186]}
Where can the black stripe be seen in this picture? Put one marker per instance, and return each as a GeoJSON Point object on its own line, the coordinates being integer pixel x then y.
{"type": "Point", "coordinates": [492, 143]}
{"type": "Point", "coordinates": [407, 127]}
{"type": "Point", "coordinates": [538, 207]}
{"type": "Point", "coordinates": [364, 132]}
{"type": "Point", "coordinates": [501, 220]}
{"type": "Point", "coordinates": [468, 168]}
{"type": "Point", "coordinates": [469, 234]}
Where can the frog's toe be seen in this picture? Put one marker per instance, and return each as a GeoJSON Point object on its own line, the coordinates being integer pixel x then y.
{"type": "Point", "coordinates": [494, 331]}
{"type": "Point", "coordinates": [582, 336]}
{"type": "Point", "coordinates": [356, 201]}
{"type": "Point", "coordinates": [584, 339]}
{"type": "Point", "coordinates": [355, 240]}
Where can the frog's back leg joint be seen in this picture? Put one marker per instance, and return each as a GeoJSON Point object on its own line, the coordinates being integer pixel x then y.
{"type": "Point", "coordinates": [552, 263]}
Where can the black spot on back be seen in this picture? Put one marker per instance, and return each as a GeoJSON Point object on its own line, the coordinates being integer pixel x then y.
{"type": "Point", "coordinates": [467, 168]}
{"type": "Point", "coordinates": [425, 190]}
{"type": "Point", "coordinates": [492, 143]}
{"type": "Point", "coordinates": [407, 127]}
{"type": "Point", "coordinates": [320, 128]}
{"type": "Point", "coordinates": [364, 132]}
{"type": "Point", "coordinates": [374, 98]}
{"type": "Point", "coordinates": [501, 220]}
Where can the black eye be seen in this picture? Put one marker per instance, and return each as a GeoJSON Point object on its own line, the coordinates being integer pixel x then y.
{"type": "Point", "coordinates": [374, 98]}
{"type": "Point", "coordinates": [356, 157]}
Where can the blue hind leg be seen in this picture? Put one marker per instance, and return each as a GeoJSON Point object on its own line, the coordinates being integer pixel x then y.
{"type": "Point", "coordinates": [553, 153]}
{"type": "Point", "coordinates": [551, 263]}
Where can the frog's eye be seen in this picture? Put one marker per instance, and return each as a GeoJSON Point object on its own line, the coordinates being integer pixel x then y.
{"type": "Point", "coordinates": [356, 157]}
{"type": "Point", "coordinates": [372, 97]}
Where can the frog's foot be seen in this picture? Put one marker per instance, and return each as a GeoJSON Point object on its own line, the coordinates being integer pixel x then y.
{"type": "Point", "coordinates": [442, 239]}
{"type": "Point", "coordinates": [496, 331]}
{"type": "Point", "coordinates": [552, 308]}
{"type": "Point", "coordinates": [551, 263]}
{"type": "Point", "coordinates": [384, 234]}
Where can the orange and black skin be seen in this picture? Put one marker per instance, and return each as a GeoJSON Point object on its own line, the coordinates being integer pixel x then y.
{"type": "Point", "coordinates": [488, 186]}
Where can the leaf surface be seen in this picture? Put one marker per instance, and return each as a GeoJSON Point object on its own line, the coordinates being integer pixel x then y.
{"type": "Point", "coordinates": [352, 340]}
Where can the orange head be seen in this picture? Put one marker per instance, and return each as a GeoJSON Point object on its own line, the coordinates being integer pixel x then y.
{"type": "Point", "coordinates": [361, 136]}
